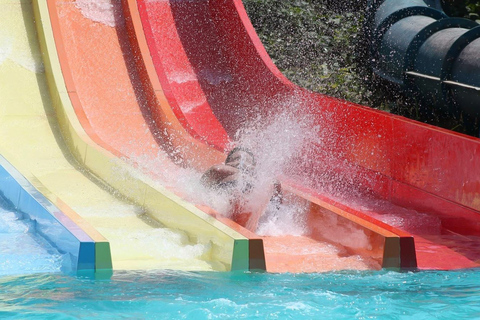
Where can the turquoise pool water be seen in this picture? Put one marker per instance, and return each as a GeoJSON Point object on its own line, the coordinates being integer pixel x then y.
{"type": "Point", "coordinates": [181, 295]}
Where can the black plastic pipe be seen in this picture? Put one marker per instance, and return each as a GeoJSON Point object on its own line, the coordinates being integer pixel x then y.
{"type": "Point", "coordinates": [417, 48]}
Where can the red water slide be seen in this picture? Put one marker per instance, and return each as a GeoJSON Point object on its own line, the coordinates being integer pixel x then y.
{"type": "Point", "coordinates": [423, 180]}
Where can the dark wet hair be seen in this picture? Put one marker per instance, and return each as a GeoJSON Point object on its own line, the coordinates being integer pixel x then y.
{"type": "Point", "coordinates": [230, 154]}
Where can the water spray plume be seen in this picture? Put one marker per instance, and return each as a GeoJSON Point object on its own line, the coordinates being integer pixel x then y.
{"type": "Point", "coordinates": [275, 140]}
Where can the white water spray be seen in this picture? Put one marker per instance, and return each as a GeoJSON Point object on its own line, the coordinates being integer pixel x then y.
{"type": "Point", "coordinates": [102, 11]}
{"type": "Point", "coordinates": [275, 141]}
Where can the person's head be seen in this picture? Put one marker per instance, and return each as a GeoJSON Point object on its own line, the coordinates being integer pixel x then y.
{"type": "Point", "coordinates": [242, 159]}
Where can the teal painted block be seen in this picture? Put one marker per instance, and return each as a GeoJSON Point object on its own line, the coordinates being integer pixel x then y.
{"type": "Point", "coordinates": [86, 256]}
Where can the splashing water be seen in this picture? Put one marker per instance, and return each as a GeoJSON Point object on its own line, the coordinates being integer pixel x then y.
{"type": "Point", "coordinates": [274, 140]}
{"type": "Point", "coordinates": [36, 254]}
{"type": "Point", "coordinates": [98, 10]}
{"type": "Point", "coordinates": [286, 219]}
{"type": "Point", "coordinates": [15, 42]}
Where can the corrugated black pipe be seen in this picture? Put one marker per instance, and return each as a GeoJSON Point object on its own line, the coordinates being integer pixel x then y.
{"type": "Point", "coordinates": [417, 48]}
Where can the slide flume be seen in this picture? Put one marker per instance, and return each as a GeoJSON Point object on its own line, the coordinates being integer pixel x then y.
{"type": "Point", "coordinates": [181, 236]}
{"type": "Point", "coordinates": [179, 82]}
{"type": "Point", "coordinates": [147, 95]}
{"type": "Point", "coordinates": [30, 140]}
{"type": "Point", "coordinates": [126, 111]}
{"type": "Point", "coordinates": [47, 145]}
{"type": "Point", "coordinates": [391, 170]}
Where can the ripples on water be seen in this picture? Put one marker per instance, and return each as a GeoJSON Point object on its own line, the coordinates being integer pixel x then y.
{"type": "Point", "coordinates": [180, 295]}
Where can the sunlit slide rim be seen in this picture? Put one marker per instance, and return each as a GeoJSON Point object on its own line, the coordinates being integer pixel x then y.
{"type": "Point", "coordinates": [231, 248]}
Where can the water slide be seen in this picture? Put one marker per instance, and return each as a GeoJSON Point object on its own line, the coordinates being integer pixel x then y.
{"type": "Point", "coordinates": [387, 169]}
{"type": "Point", "coordinates": [126, 111]}
{"type": "Point", "coordinates": [50, 240]}
{"type": "Point", "coordinates": [28, 141]}
{"type": "Point", "coordinates": [120, 119]}
{"type": "Point", "coordinates": [70, 130]}
{"type": "Point", "coordinates": [43, 140]}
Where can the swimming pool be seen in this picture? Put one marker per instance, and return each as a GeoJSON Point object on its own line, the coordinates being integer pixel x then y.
{"type": "Point", "coordinates": [212, 295]}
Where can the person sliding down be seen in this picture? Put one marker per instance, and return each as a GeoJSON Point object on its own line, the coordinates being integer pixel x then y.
{"type": "Point", "coordinates": [236, 178]}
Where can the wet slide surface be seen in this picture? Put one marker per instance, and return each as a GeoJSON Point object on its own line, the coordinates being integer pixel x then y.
{"type": "Point", "coordinates": [202, 243]}
{"type": "Point", "coordinates": [185, 71]}
{"type": "Point", "coordinates": [37, 254]}
{"type": "Point", "coordinates": [420, 179]}
{"type": "Point", "coordinates": [216, 84]}
{"type": "Point", "coordinates": [31, 141]}
{"type": "Point", "coordinates": [116, 111]}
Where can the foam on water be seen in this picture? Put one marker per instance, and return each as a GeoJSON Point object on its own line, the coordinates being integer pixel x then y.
{"type": "Point", "coordinates": [167, 244]}
{"type": "Point", "coordinates": [111, 210]}
{"type": "Point", "coordinates": [163, 243]}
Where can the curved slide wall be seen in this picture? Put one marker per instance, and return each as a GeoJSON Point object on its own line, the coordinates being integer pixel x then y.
{"type": "Point", "coordinates": [94, 157]}
{"type": "Point", "coordinates": [415, 168]}
{"type": "Point", "coordinates": [33, 143]}
{"type": "Point", "coordinates": [379, 243]}
{"type": "Point", "coordinates": [175, 234]}
{"type": "Point", "coordinates": [29, 139]}
{"type": "Point", "coordinates": [116, 107]}
{"type": "Point", "coordinates": [180, 84]}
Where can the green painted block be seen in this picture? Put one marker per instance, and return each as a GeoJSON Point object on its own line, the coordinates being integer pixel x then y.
{"type": "Point", "coordinates": [103, 256]}
{"type": "Point", "coordinates": [240, 257]}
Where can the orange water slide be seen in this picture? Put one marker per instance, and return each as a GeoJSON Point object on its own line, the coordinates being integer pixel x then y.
{"type": "Point", "coordinates": [107, 92]}
{"type": "Point", "coordinates": [181, 74]}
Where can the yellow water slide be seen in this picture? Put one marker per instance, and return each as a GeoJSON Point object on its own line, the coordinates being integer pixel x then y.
{"type": "Point", "coordinates": [135, 225]}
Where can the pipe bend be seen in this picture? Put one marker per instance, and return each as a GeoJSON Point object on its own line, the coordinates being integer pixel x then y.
{"type": "Point", "coordinates": [428, 54]}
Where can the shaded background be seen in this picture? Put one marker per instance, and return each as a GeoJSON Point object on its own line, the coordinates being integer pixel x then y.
{"type": "Point", "coordinates": [319, 45]}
